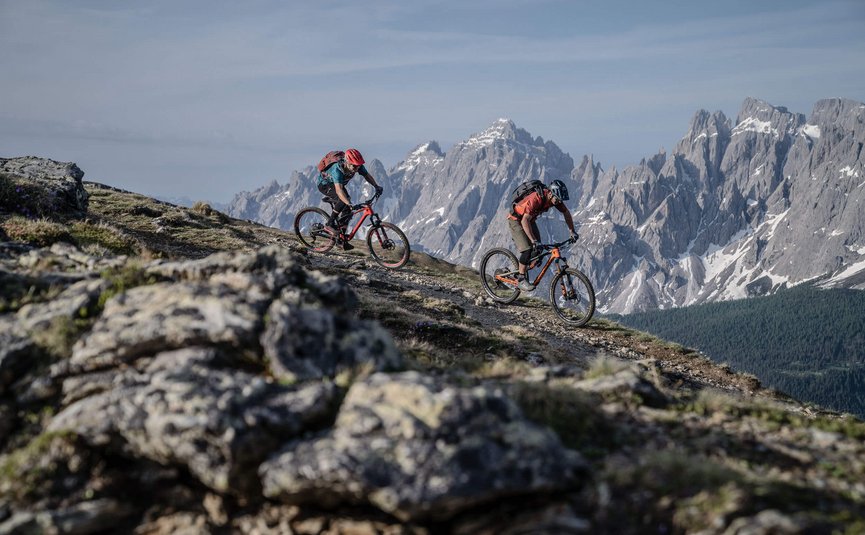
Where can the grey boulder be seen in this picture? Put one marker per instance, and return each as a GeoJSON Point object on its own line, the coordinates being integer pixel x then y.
{"type": "Point", "coordinates": [416, 447]}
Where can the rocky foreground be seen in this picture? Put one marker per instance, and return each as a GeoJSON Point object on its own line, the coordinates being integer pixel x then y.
{"type": "Point", "coordinates": [167, 370]}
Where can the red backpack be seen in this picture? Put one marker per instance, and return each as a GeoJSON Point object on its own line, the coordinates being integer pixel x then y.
{"type": "Point", "coordinates": [329, 159]}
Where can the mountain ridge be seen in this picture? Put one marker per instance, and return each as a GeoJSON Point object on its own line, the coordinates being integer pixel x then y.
{"type": "Point", "coordinates": [708, 221]}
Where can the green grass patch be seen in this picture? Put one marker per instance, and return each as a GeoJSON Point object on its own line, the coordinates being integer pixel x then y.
{"type": "Point", "coordinates": [128, 276]}
{"type": "Point", "coordinates": [604, 367]}
{"type": "Point", "coordinates": [59, 337]}
{"type": "Point", "coordinates": [39, 232]}
{"type": "Point", "coordinates": [572, 414]}
{"type": "Point", "coordinates": [87, 234]}
{"type": "Point", "coordinates": [708, 402]}
{"type": "Point", "coordinates": [18, 290]}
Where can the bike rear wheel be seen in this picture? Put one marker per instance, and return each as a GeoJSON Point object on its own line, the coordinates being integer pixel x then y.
{"type": "Point", "coordinates": [388, 245]}
{"type": "Point", "coordinates": [498, 264]}
{"type": "Point", "coordinates": [572, 297]}
{"type": "Point", "coordinates": [309, 227]}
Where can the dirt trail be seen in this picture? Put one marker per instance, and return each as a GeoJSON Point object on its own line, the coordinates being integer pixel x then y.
{"type": "Point", "coordinates": [681, 367]}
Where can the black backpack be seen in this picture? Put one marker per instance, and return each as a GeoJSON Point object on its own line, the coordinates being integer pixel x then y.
{"type": "Point", "coordinates": [525, 189]}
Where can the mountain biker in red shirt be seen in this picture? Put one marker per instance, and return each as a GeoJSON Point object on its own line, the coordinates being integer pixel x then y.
{"type": "Point", "coordinates": [524, 228]}
{"type": "Point", "coordinates": [332, 182]}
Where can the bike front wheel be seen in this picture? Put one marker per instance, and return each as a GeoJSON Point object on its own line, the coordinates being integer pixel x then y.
{"type": "Point", "coordinates": [499, 268]}
{"type": "Point", "coordinates": [388, 245]}
{"type": "Point", "coordinates": [309, 227]}
{"type": "Point", "coordinates": [572, 297]}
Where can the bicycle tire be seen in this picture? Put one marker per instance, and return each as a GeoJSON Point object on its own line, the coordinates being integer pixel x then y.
{"type": "Point", "coordinates": [573, 307]}
{"type": "Point", "coordinates": [390, 248]}
{"type": "Point", "coordinates": [499, 261]}
{"type": "Point", "coordinates": [315, 239]}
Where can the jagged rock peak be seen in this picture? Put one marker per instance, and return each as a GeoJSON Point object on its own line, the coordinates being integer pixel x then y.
{"type": "Point", "coordinates": [502, 129]}
{"type": "Point", "coordinates": [755, 107]}
{"type": "Point", "coordinates": [833, 110]}
{"type": "Point", "coordinates": [587, 165]}
{"type": "Point", "coordinates": [705, 124]}
{"type": "Point", "coordinates": [432, 146]}
{"type": "Point", "coordinates": [759, 116]}
{"type": "Point", "coordinates": [429, 153]}
{"type": "Point", "coordinates": [656, 162]}
{"type": "Point", "coordinates": [271, 188]}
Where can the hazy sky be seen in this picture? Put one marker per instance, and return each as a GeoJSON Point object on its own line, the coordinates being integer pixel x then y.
{"type": "Point", "coordinates": [204, 98]}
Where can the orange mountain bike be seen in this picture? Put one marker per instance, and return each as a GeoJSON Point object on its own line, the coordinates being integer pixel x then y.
{"type": "Point", "coordinates": [571, 293]}
{"type": "Point", "coordinates": [387, 243]}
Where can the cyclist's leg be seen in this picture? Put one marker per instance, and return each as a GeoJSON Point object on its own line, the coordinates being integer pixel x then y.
{"type": "Point", "coordinates": [337, 206]}
{"type": "Point", "coordinates": [523, 243]}
{"type": "Point", "coordinates": [344, 215]}
{"type": "Point", "coordinates": [330, 192]}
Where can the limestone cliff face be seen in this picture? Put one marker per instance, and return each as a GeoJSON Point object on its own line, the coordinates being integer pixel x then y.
{"type": "Point", "coordinates": [733, 210]}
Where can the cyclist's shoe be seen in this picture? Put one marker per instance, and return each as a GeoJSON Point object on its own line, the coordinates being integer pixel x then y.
{"type": "Point", "coordinates": [524, 284]}
{"type": "Point", "coordinates": [346, 246]}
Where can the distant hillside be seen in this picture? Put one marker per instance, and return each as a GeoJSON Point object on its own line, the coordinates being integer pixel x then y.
{"type": "Point", "coordinates": [806, 342]}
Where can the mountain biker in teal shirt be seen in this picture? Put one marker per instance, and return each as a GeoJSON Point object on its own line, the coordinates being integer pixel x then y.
{"type": "Point", "coordinates": [332, 182]}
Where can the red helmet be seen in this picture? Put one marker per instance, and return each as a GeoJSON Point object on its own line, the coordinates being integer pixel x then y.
{"type": "Point", "coordinates": [353, 157]}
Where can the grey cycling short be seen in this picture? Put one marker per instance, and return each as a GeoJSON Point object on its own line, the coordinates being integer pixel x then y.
{"type": "Point", "coordinates": [519, 235]}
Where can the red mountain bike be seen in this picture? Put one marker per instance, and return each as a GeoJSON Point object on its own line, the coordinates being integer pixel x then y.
{"type": "Point", "coordinates": [387, 243]}
{"type": "Point", "coordinates": [571, 293]}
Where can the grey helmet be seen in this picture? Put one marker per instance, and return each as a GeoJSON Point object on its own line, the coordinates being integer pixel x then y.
{"type": "Point", "coordinates": [559, 190]}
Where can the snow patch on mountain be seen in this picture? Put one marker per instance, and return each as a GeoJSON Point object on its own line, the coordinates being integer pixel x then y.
{"type": "Point", "coordinates": [849, 172]}
{"type": "Point", "coordinates": [811, 130]}
{"type": "Point", "coordinates": [427, 154]}
{"type": "Point", "coordinates": [752, 124]}
{"type": "Point", "coordinates": [489, 136]}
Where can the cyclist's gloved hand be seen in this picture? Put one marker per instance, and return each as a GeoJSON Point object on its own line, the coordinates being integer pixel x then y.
{"type": "Point", "coordinates": [356, 206]}
{"type": "Point", "coordinates": [379, 190]}
{"type": "Point", "coordinates": [574, 237]}
{"type": "Point", "coordinates": [537, 248]}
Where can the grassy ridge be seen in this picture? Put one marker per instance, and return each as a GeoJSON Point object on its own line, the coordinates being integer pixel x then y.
{"type": "Point", "coordinates": [806, 342]}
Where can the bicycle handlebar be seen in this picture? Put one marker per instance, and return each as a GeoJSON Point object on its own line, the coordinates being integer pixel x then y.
{"type": "Point", "coordinates": [369, 201]}
{"type": "Point", "coordinates": [548, 246]}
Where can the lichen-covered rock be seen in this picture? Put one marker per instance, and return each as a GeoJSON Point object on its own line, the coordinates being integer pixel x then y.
{"type": "Point", "coordinates": [160, 317]}
{"type": "Point", "coordinates": [68, 263]}
{"type": "Point", "coordinates": [768, 522]}
{"type": "Point", "coordinates": [275, 266]}
{"type": "Point", "coordinates": [15, 350]}
{"type": "Point", "coordinates": [416, 447]}
{"type": "Point", "coordinates": [85, 517]}
{"type": "Point", "coordinates": [624, 383]}
{"type": "Point", "coordinates": [540, 517]}
{"type": "Point", "coordinates": [195, 408]}
{"type": "Point", "coordinates": [73, 302]}
{"type": "Point", "coordinates": [60, 182]}
{"type": "Point", "coordinates": [306, 340]}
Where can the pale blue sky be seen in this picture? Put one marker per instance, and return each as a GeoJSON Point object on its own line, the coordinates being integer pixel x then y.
{"type": "Point", "coordinates": [203, 98]}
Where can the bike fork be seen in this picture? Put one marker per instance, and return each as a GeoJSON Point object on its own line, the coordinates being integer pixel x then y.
{"type": "Point", "coordinates": [568, 291]}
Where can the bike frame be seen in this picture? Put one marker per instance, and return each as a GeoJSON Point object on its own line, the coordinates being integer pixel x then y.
{"type": "Point", "coordinates": [554, 254]}
{"type": "Point", "coordinates": [375, 221]}
{"type": "Point", "coordinates": [367, 212]}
